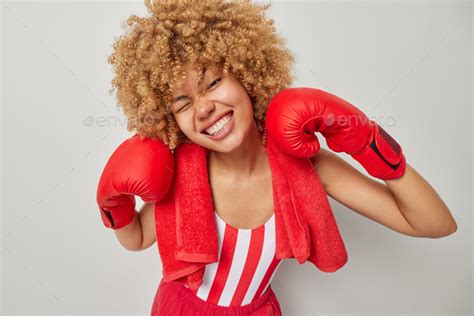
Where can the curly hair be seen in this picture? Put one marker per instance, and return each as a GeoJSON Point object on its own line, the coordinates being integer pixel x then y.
{"type": "Point", "coordinates": [149, 60]}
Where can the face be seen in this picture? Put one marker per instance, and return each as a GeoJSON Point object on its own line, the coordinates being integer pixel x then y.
{"type": "Point", "coordinates": [215, 113]}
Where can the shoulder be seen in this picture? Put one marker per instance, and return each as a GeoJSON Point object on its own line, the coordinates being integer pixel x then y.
{"type": "Point", "coordinates": [328, 166]}
{"type": "Point", "coordinates": [334, 172]}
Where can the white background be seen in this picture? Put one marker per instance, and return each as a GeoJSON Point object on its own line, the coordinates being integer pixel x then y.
{"type": "Point", "coordinates": [407, 65]}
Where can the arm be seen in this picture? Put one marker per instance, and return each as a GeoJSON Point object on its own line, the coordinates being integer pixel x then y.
{"type": "Point", "coordinates": [138, 167]}
{"type": "Point", "coordinates": [130, 236]}
{"type": "Point", "coordinates": [408, 205]}
{"type": "Point", "coordinates": [421, 205]}
{"type": "Point", "coordinates": [140, 233]}
{"type": "Point", "coordinates": [147, 219]}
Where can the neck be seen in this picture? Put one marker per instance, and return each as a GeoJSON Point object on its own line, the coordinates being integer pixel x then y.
{"type": "Point", "coordinates": [248, 161]}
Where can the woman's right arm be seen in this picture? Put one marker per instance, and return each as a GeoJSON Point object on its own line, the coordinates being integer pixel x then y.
{"type": "Point", "coordinates": [140, 233]}
{"type": "Point", "coordinates": [138, 167]}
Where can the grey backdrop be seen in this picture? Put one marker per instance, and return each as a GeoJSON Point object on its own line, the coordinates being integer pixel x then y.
{"type": "Point", "coordinates": [405, 64]}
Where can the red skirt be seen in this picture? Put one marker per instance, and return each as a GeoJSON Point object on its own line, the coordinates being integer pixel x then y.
{"type": "Point", "coordinates": [174, 298]}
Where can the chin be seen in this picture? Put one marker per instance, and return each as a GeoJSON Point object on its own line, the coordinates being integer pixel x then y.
{"type": "Point", "coordinates": [226, 145]}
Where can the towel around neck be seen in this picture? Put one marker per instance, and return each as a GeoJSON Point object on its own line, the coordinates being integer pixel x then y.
{"type": "Point", "coordinates": [186, 230]}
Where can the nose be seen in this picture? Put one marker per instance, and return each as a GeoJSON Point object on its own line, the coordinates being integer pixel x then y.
{"type": "Point", "coordinates": [204, 108]}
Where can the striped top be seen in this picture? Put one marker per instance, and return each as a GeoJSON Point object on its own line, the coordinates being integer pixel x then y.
{"type": "Point", "coordinates": [245, 267]}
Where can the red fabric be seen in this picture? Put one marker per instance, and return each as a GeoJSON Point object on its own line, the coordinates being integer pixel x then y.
{"type": "Point", "coordinates": [246, 266]}
{"type": "Point", "coordinates": [253, 257]}
{"type": "Point", "coordinates": [186, 230]}
{"type": "Point", "coordinates": [173, 298]}
{"type": "Point", "coordinates": [223, 268]}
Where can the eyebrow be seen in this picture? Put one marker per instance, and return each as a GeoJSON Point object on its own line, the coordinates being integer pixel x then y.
{"type": "Point", "coordinates": [181, 97]}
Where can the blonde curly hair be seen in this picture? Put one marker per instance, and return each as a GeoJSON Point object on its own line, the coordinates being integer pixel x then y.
{"type": "Point", "coordinates": [149, 60]}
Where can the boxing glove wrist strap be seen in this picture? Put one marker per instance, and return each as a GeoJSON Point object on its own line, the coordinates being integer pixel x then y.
{"type": "Point", "coordinates": [383, 157]}
{"type": "Point", "coordinates": [119, 216]}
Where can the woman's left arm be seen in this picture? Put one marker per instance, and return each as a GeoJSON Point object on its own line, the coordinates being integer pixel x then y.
{"type": "Point", "coordinates": [408, 205]}
{"type": "Point", "coordinates": [421, 205]}
{"type": "Point", "coordinates": [405, 203]}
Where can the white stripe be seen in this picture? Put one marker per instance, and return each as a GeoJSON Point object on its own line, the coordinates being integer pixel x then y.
{"type": "Point", "coordinates": [211, 268]}
{"type": "Point", "coordinates": [273, 274]}
{"type": "Point", "coordinates": [268, 252]}
{"type": "Point", "coordinates": [237, 266]}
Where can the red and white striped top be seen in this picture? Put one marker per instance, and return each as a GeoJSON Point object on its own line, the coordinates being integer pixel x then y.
{"type": "Point", "coordinates": [245, 266]}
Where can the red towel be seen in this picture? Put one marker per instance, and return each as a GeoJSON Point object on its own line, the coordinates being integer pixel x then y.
{"type": "Point", "coordinates": [186, 231]}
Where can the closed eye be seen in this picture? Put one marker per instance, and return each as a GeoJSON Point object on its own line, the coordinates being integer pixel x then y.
{"type": "Point", "coordinates": [210, 86]}
{"type": "Point", "coordinates": [183, 107]}
{"type": "Point", "coordinates": [217, 80]}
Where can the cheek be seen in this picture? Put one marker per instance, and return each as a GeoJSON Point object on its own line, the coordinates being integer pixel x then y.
{"type": "Point", "coordinates": [185, 123]}
{"type": "Point", "coordinates": [248, 108]}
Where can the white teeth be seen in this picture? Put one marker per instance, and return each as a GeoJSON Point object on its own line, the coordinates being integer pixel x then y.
{"type": "Point", "coordinates": [219, 125]}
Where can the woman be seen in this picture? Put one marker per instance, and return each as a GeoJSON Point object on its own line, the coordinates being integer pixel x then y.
{"type": "Point", "coordinates": [205, 73]}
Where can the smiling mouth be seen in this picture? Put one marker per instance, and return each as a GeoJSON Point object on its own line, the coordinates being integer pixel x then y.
{"type": "Point", "coordinates": [222, 124]}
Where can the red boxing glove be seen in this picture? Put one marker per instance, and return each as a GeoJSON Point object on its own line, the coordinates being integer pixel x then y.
{"type": "Point", "coordinates": [137, 167]}
{"type": "Point", "coordinates": [294, 116]}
